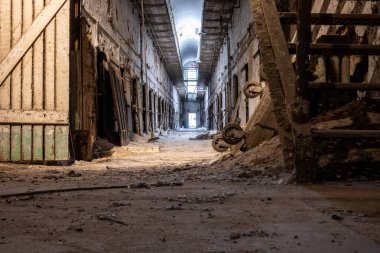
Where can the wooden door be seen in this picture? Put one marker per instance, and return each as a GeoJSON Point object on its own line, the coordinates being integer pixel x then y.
{"type": "Point", "coordinates": [34, 80]}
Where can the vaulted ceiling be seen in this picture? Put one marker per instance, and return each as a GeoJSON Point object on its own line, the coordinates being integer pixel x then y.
{"type": "Point", "coordinates": [188, 33]}
{"type": "Point", "coordinates": [158, 20]}
{"type": "Point", "coordinates": [215, 20]}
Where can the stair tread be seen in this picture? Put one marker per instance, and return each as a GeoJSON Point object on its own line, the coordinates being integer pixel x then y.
{"type": "Point", "coordinates": [333, 19]}
{"type": "Point", "coordinates": [346, 134]}
{"type": "Point", "coordinates": [344, 86]}
{"type": "Point", "coordinates": [339, 49]}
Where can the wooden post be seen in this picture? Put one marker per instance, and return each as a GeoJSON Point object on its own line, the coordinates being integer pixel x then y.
{"type": "Point", "coordinates": [304, 156]}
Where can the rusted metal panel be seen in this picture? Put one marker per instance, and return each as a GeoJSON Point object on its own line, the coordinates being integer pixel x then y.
{"type": "Point", "coordinates": [34, 90]}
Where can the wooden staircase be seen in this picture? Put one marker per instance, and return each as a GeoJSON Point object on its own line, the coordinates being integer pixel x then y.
{"type": "Point", "coordinates": [290, 89]}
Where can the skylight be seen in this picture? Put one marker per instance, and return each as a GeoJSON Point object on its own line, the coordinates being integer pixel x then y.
{"type": "Point", "coordinates": [187, 17]}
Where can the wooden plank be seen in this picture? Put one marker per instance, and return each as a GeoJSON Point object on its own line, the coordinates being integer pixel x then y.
{"type": "Point", "coordinates": [262, 116]}
{"type": "Point", "coordinates": [269, 65]}
{"type": "Point", "coordinates": [62, 57]}
{"type": "Point", "coordinates": [34, 117]}
{"type": "Point", "coordinates": [38, 147]}
{"type": "Point", "coordinates": [49, 147]}
{"type": "Point", "coordinates": [27, 40]}
{"type": "Point", "coordinates": [27, 60]}
{"type": "Point", "coordinates": [5, 46]}
{"type": "Point", "coordinates": [305, 163]}
{"type": "Point", "coordinates": [27, 82]}
{"type": "Point", "coordinates": [16, 143]}
{"type": "Point", "coordinates": [5, 140]}
{"type": "Point", "coordinates": [119, 105]}
{"type": "Point", "coordinates": [16, 81]}
{"type": "Point", "coordinates": [17, 72]}
{"type": "Point", "coordinates": [26, 145]}
{"type": "Point", "coordinates": [61, 143]}
{"type": "Point", "coordinates": [38, 62]}
{"type": "Point", "coordinates": [49, 85]}
{"type": "Point", "coordinates": [278, 42]}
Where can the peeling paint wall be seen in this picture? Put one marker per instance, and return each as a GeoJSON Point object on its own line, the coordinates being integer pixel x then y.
{"type": "Point", "coordinates": [242, 47]}
{"type": "Point", "coordinates": [115, 30]}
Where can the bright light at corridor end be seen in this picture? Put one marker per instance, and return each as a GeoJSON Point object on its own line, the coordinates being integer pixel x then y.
{"type": "Point", "coordinates": [187, 16]}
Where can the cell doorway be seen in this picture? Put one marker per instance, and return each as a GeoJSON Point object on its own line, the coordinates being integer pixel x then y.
{"type": "Point", "coordinates": [192, 120]}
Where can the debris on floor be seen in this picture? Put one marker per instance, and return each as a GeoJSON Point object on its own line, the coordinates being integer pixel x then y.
{"type": "Point", "coordinates": [102, 148]}
{"type": "Point", "coordinates": [263, 161]}
{"type": "Point", "coordinates": [348, 158]}
{"type": "Point", "coordinates": [111, 218]}
{"type": "Point", "coordinates": [203, 136]}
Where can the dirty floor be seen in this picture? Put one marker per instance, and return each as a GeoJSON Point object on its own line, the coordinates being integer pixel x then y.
{"type": "Point", "coordinates": [173, 196]}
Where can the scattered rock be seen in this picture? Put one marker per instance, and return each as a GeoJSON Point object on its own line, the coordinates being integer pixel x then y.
{"type": "Point", "coordinates": [140, 186]}
{"type": "Point", "coordinates": [110, 217]}
{"type": "Point", "coordinates": [76, 229]}
{"type": "Point", "coordinates": [200, 200]}
{"type": "Point", "coordinates": [175, 207]}
{"type": "Point", "coordinates": [234, 236]}
{"type": "Point", "coordinates": [80, 230]}
{"type": "Point", "coordinates": [52, 177]}
{"type": "Point", "coordinates": [251, 233]}
{"type": "Point", "coordinates": [204, 136]}
{"type": "Point", "coordinates": [244, 174]}
{"type": "Point", "coordinates": [336, 217]}
{"type": "Point", "coordinates": [120, 203]}
{"type": "Point", "coordinates": [153, 139]}
{"type": "Point", "coordinates": [167, 184]}
{"type": "Point", "coordinates": [72, 173]}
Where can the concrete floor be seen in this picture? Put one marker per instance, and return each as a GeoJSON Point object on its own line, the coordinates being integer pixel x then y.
{"type": "Point", "coordinates": [167, 207]}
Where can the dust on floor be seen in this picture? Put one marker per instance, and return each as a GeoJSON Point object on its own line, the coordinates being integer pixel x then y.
{"type": "Point", "coordinates": [181, 196]}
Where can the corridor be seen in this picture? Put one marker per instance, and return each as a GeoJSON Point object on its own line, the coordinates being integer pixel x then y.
{"type": "Point", "coordinates": [189, 126]}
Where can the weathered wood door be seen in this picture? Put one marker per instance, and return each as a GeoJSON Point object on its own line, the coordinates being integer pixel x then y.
{"type": "Point", "coordinates": [34, 80]}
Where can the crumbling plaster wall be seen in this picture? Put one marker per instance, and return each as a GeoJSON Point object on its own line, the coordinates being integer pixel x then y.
{"type": "Point", "coordinates": [115, 29]}
{"type": "Point", "coordinates": [238, 54]}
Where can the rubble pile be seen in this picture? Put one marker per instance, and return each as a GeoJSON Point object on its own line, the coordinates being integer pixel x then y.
{"type": "Point", "coordinates": [349, 158]}
{"type": "Point", "coordinates": [102, 148]}
{"type": "Point", "coordinates": [263, 161]}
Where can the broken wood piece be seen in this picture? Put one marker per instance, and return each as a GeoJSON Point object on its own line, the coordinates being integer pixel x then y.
{"type": "Point", "coordinates": [263, 116]}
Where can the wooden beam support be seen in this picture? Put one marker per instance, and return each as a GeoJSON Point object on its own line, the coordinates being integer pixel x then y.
{"type": "Point", "coordinates": [149, 6]}
{"type": "Point", "coordinates": [267, 29]}
{"type": "Point", "coordinates": [9, 117]}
